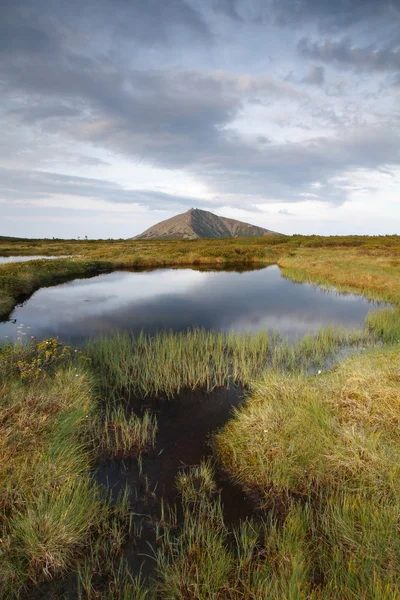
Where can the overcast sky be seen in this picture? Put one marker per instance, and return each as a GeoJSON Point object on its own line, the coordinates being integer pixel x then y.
{"type": "Point", "coordinates": [116, 114]}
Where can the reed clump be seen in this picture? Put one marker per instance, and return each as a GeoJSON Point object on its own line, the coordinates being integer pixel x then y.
{"type": "Point", "coordinates": [122, 435]}
{"type": "Point", "coordinates": [166, 363]}
{"type": "Point", "coordinates": [204, 558]}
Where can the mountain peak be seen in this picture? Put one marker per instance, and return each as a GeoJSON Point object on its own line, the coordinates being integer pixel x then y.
{"type": "Point", "coordinates": [202, 224]}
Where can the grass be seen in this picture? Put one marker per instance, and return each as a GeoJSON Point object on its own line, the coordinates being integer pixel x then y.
{"type": "Point", "coordinates": [346, 482]}
{"type": "Point", "coordinates": [203, 558]}
{"type": "Point", "coordinates": [122, 435]}
{"type": "Point", "coordinates": [164, 364]}
{"type": "Point", "coordinates": [47, 501]}
{"type": "Point", "coordinates": [52, 513]}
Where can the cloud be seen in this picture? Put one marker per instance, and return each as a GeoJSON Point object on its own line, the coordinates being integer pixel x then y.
{"type": "Point", "coordinates": [43, 112]}
{"type": "Point", "coordinates": [37, 187]}
{"type": "Point", "coordinates": [328, 14]}
{"type": "Point", "coordinates": [345, 53]}
{"type": "Point", "coordinates": [46, 26]}
{"type": "Point", "coordinates": [23, 185]}
{"type": "Point", "coordinates": [289, 169]}
{"type": "Point", "coordinates": [315, 76]}
{"type": "Point", "coordinates": [182, 120]}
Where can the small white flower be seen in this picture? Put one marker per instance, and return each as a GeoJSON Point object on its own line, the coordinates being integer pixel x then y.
{"type": "Point", "coordinates": [319, 372]}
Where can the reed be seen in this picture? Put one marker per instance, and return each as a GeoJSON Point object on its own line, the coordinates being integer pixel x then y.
{"type": "Point", "coordinates": [120, 435]}
{"type": "Point", "coordinates": [167, 363]}
{"type": "Point", "coordinates": [203, 558]}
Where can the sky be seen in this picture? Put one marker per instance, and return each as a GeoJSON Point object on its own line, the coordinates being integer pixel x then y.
{"type": "Point", "coordinates": [116, 114]}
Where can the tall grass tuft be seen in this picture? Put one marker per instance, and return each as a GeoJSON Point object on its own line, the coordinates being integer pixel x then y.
{"type": "Point", "coordinates": [327, 446]}
{"type": "Point", "coordinates": [52, 513]}
{"type": "Point", "coordinates": [166, 363]}
{"type": "Point", "coordinates": [119, 435]}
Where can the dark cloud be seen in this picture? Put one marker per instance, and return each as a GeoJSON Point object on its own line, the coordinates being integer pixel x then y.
{"type": "Point", "coordinates": [32, 114]}
{"type": "Point", "coordinates": [315, 76]}
{"type": "Point", "coordinates": [347, 54]}
{"type": "Point", "coordinates": [288, 170]}
{"type": "Point", "coordinates": [170, 118]}
{"type": "Point", "coordinates": [153, 21]}
{"type": "Point", "coordinates": [181, 120]}
{"type": "Point", "coordinates": [45, 25]}
{"type": "Point", "coordinates": [18, 184]}
{"type": "Point", "coordinates": [333, 15]}
{"type": "Point", "coordinates": [328, 14]}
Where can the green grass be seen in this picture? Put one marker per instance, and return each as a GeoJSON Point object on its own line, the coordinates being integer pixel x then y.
{"type": "Point", "coordinates": [53, 516]}
{"type": "Point", "coordinates": [338, 545]}
{"type": "Point", "coordinates": [203, 558]}
{"type": "Point", "coordinates": [122, 435]}
{"type": "Point", "coordinates": [328, 445]}
{"type": "Point", "coordinates": [166, 363]}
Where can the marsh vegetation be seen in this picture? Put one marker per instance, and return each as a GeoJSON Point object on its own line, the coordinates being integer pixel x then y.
{"type": "Point", "coordinates": [314, 446]}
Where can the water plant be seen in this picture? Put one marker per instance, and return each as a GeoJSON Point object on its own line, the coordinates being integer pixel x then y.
{"type": "Point", "coordinates": [121, 435]}
{"type": "Point", "coordinates": [164, 364]}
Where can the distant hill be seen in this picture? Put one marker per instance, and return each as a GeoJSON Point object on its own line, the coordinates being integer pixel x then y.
{"type": "Point", "coordinates": [196, 223]}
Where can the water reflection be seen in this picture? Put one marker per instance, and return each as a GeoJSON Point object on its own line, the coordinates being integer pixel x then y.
{"type": "Point", "coordinates": [183, 298]}
{"type": "Point", "coordinates": [4, 260]}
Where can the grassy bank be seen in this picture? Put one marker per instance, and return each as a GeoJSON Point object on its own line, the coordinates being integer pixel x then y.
{"type": "Point", "coordinates": [54, 519]}
{"type": "Point", "coordinates": [325, 450]}
{"type": "Point", "coordinates": [374, 273]}
{"type": "Point", "coordinates": [19, 280]}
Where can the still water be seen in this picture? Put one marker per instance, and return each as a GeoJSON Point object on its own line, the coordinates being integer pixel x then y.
{"type": "Point", "coordinates": [178, 299]}
{"type": "Point", "coordinates": [4, 260]}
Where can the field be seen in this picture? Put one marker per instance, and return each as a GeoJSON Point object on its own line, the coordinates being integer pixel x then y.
{"type": "Point", "coordinates": [316, 450]}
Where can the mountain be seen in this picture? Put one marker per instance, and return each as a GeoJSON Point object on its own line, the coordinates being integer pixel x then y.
{"type": "Point", "coordinates": [196, 223]}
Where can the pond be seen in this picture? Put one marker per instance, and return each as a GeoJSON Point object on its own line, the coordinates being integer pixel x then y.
{"type": "Point", "coordinates": [5, 260]}
{"type": "Point", "coordinates": [179, 299]}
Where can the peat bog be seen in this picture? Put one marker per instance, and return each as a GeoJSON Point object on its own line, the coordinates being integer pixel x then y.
{"type": "Point", "coordinates": [188, 419]}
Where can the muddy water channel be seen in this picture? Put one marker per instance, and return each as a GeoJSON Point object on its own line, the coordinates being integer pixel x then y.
{"type": "Point", "coordinates": [185, 425]}
{"type": "Point", "coordinates": [184, 439]}
{"type": "Point", "coordinates": [178, 299]}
